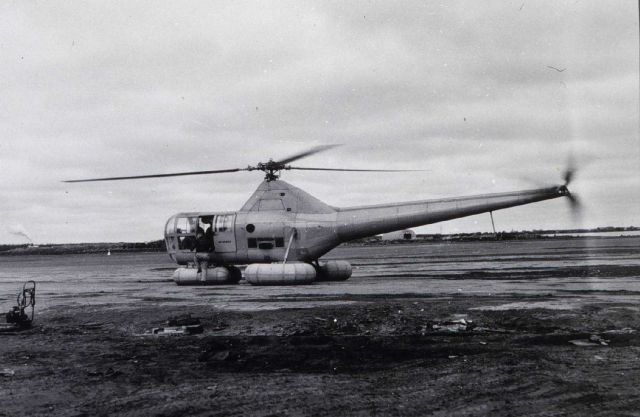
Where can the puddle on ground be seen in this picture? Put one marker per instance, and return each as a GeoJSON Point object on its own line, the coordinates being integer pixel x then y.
{"type": "Point", "coordinates": [528, 305]}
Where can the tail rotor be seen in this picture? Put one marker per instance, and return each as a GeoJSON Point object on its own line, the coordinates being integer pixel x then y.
{"type": "Point", "coordinates": [574, 201]}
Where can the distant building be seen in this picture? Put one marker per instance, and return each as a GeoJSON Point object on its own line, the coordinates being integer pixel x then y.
{"type": "Point", "coordinates": [400, 235]}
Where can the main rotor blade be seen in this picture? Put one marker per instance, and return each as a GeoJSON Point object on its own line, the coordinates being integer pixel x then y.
{"type": "Point", "coordinates": [306, 153]}
{"type": "Point", "coordinates": [174, 174]}
{"type": "Point", "coordinates": [360, 170]}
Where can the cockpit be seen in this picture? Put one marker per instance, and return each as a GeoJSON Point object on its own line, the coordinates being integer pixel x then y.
{"type": "Point", "coordinates": [196, 232]}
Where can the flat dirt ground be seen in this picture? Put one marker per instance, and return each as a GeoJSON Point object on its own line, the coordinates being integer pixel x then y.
{"type": "Point", "coordinates": [550, 329]}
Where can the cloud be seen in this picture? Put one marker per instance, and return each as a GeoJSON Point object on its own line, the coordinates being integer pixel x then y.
{"type": "Point", "coordinates": [464, 90]}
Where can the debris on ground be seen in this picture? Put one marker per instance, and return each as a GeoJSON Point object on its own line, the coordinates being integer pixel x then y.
{"type": "Point", "coordinates": [597, 339]}
{"type": "Point", "coordinates": [184, 324]}
{"type": "Point", "coordinates": [177, 330]}
{"type": "Point", "coordinates": [459, 325]}
{"type": "Point", "coordinates": [7, 372]}
{"type": "Point", "coordinates": [625, 330]}
{"type": "Point", "coordinates": [483, 329]}
{"type": "Point", "coordinates": [108, 373]}
{"type": "Point", "coordinates": [582, 343]}
{"type": "Point", "coordinates": [222, 355]}
{"type": "Point", "coordinates": [594, 340]}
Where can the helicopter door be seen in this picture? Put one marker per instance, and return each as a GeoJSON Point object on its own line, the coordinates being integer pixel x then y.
{"type": "Point", "coordinates": [224, 233]}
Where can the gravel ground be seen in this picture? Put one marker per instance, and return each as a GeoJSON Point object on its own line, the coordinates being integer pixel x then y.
{"type": "Point", "coordinates": [542, 328]}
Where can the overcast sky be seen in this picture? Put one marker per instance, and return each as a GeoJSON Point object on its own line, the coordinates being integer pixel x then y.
{"type": "Point", "coordinates": [464, 89]}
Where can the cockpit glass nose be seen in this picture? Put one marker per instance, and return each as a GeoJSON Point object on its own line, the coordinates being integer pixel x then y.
{"type": "Point", "coordinates": [185, 225]}
{"type": "Point", "coordinates": [171, 224]}
{"type": "Point", "coordinates": [180, 232]}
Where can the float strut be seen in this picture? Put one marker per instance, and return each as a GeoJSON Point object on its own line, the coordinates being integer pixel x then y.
{"type": "Point", "coordinates": [294, 232]}
{"type": "Point", "coordinates": [492, 223]}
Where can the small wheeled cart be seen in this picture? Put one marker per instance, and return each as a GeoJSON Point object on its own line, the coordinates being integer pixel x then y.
{"type": "Point", "coordinates": [17, 318]}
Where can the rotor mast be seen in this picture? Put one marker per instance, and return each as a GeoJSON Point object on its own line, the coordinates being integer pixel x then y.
{"type": "Point", "coordinates": [271, 169]}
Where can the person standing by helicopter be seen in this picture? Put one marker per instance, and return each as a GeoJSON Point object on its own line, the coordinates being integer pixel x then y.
{"type": "Point", "coordinates": [204, 242]}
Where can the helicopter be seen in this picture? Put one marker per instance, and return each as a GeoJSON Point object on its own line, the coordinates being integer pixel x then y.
{"type": "Point", "coordinates": [281, 232]}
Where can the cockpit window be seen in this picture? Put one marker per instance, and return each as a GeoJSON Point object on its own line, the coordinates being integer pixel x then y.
{"type": "Point", "coordinates": [186, 225]}
{"type": "Point", "coordinates": [185, 229]}
{"type": "Point", "coordinates": [171, 223]}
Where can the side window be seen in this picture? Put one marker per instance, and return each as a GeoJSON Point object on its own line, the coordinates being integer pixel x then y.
{"type": "Point", "coordinates": [265, 242]}
{"type": "Point", "coordinates": [224, 222]}
{"type": "Point", "coordinates": [273, 204]}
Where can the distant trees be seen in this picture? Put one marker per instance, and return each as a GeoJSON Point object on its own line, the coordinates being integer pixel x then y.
{"type": "Point", "coordinates": [69, 248]}
{"type": "Point", "coordinates": [4, 248]}
{"type": "Point", "coordinates": [153, 246]}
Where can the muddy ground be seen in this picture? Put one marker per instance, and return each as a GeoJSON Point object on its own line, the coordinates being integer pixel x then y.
{"type": "Point", "coordinates": [336, 350]}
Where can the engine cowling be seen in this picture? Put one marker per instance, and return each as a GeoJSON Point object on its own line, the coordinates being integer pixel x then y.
{"type": "Point", "coordinates": [280, 274]}
{"type": "Point", "coordinates": [207, 276]}
{"type": "Point", "coordinates": [334, 271]}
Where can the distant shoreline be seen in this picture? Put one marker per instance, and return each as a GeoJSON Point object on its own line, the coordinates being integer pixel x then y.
{"type": "Point", "coordinates": [82, 248]}
{"type": "Point", "coordinates": [488, 237]}
{"type": "Point", "coordinates": [158, 246]}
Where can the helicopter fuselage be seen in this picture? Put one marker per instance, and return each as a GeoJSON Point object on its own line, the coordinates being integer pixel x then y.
{"type": "Point", "coordinates": [281, 223]}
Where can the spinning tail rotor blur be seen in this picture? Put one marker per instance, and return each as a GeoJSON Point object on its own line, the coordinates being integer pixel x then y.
{"type": "Point", "coordinates": [574, 201]}
{"type": "Point", "coordinates": [568, 176]}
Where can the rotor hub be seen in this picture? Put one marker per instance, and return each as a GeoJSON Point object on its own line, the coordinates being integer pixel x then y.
{"type": "Point", "coordinates": [271, 169]}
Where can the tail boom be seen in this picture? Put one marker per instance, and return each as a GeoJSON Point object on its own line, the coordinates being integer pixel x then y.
{"type": "Point", "coordinates": [358, 222]}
